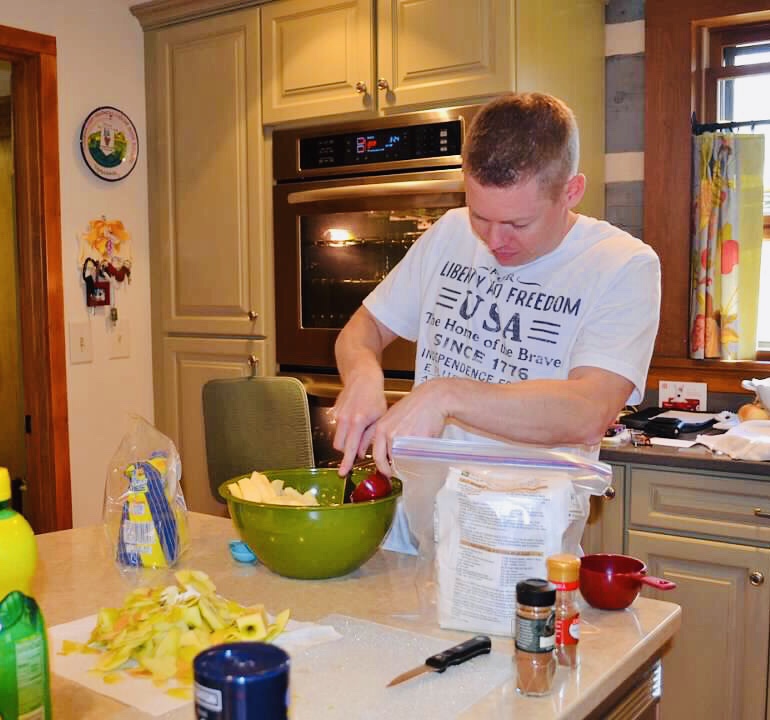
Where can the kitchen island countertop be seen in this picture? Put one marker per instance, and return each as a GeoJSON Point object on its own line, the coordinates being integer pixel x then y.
{"type": "Point", "coordinates": [76, 577]}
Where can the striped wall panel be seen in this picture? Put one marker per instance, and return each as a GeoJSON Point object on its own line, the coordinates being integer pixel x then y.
{"type": "Point", "coordinates": [624, 113]}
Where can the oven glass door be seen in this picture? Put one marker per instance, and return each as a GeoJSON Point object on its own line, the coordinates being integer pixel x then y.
{"type": "Point", "coordinates": [334, 242]}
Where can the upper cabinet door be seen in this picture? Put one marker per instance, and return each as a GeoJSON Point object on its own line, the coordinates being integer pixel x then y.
{"type": "Point", "coordinates": [431, 51]}
{"type": "Point", "coordinates": [208, 249]}
{"type": "Point", "coordinates": [318, 59]}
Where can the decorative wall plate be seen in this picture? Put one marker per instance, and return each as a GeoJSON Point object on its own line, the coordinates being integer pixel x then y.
{"type": "Point", "coordinates": [109, 143]}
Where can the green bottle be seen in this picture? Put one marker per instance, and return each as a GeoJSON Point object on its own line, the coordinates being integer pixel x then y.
{"type": "Point", "coordinates": [25, 683]}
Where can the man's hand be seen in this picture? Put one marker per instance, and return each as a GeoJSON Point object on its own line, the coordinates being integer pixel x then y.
{"type": "Point", "coordinates": [419, 414]}
{"type": "Point", "coordinates": [360, 404]}
{"type": "Point", "coordinates": [362, 401]}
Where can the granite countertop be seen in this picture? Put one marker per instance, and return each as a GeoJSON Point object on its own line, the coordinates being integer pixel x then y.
{"type": "Point", "coordinates": [76, 577]}
{"type": "Point", "coordinates": [697, 457]}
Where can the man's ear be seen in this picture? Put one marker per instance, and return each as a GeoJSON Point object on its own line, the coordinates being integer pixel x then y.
{"type": "Point", "coordinates": [576, 187]}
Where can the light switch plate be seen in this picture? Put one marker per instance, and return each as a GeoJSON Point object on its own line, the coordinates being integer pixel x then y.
{"type": "Point", "coordinates": [81, 347]}
{"type": "Point", "coordinates": [120, 340]}
{"type": "Point", "coordinates": [683, 395]}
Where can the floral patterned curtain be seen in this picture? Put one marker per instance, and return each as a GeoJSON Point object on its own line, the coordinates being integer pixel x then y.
{"type": "Point", "coordinates": [726, 245]}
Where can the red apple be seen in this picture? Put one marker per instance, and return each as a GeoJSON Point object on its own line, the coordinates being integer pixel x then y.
{"type": "Point", "coordinates": [372, 487]}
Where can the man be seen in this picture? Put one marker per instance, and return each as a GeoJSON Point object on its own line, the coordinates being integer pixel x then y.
{"type": "Point", "coordinates": [533, 323]}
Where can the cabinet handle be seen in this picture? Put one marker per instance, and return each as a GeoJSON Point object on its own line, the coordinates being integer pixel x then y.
{"type": "Point", "coordinates": [759, 512]}
{"type": "Point", "coordinates": [382, 84]}
{"type": "Point", "coordinates": [360, 87]}
{"type": "Point", "coordinates": [609, 493]}
{"type": "Point", "coordinates": [253, 364]}
{"type": "Point", "coordinates": [253, 315]}
{"type": "Point", "coordinates": [756, 578]}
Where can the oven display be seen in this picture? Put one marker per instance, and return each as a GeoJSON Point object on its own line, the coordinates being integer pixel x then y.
{"type": "Point", "coordinates": [440, 139]}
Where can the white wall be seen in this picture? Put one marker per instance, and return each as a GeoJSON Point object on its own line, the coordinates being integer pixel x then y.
{"type": "Point", "coordinates": [100, 60]}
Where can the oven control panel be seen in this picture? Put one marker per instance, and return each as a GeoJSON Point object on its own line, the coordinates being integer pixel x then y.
{"type": "Point", "coordinates": [377, 145]}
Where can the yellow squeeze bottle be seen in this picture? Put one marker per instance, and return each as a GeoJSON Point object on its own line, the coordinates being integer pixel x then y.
{"type": "Point", "coordinates": [18, 550]}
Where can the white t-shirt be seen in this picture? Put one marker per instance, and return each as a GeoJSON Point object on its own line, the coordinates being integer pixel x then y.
{"type": "Point", "coordinates": [593, 301]}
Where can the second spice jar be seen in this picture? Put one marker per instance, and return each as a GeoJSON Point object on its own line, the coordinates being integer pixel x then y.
{"type": "Point", "coordinates": [534, 635]}
{"type": "Point", "coordinates": [564, 574]}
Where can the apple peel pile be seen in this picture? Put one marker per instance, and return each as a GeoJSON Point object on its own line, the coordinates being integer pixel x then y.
{"type": "Point", "coordinates": [158, 631]}
{"type": "Point", "coordinates": [258, 488]}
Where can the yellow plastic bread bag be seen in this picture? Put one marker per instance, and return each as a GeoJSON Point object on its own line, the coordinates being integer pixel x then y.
{"type": "Point", "coordinates": [145, 515]}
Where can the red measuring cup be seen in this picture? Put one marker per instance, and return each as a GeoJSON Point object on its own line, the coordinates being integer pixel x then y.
{"type": "Point", "coordinates": [613, 582]}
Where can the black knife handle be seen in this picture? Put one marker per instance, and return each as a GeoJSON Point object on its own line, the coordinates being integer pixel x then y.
{"type": "Point", "coordinates": [478, 645]}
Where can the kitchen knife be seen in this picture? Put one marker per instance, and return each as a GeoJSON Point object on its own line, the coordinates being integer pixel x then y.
{"type": "Point", "coordinates": [478, 645]}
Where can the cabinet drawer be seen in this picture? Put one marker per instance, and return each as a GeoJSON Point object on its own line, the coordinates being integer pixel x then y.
{"type": "Point", "coordinates": [700, 503]}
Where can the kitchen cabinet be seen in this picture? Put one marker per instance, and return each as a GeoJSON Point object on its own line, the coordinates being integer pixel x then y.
{"type": "Point", "coordinates": [361, 56]}
{"type": "Point", "coordinates": [605, 525]}
{"type": "Point", "coordinates": [210, 256]}
{"type": "Point", "coordinates": [706, 532]}
{"type": "Point", "coordinates": [189, 363]}
{"type": "Point", "coordinates": [207, 221]}
{"type": "Point", "coordinates": [375, 57]}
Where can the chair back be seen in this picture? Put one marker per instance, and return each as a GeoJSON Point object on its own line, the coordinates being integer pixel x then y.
{"type": "Point", "coordinates": [255, 423]}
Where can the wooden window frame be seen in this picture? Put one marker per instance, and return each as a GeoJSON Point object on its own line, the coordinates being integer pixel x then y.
{"type": "Point", "coordinates": [675, 56]}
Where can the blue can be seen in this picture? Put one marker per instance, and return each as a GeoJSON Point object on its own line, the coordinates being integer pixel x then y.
{"type": "Point", "coordinates": [242, 681]}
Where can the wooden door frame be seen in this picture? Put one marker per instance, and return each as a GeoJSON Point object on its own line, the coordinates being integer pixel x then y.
{"type": "Point", "coordinates": [48, 500]}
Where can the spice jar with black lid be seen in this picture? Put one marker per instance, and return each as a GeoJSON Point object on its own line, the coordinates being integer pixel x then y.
{"type": "Point", "coordinates": [534, 636]}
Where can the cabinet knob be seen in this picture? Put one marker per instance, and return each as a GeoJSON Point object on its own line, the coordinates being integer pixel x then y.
{"type": "Point", "coordinates": [253, 315]}
{"type": "Point", "coordinates": [360, 87]}
{"type": "Point", "coordinates": [382, 84]}
{"type": "Point", "coordinates": [609, 493]}
{"type": "Point", "coordinates": [253, 364]}
{"type": "Point", "coordinates": [756, 578]}
{"type": "Point", "coordinates": [759, 512]}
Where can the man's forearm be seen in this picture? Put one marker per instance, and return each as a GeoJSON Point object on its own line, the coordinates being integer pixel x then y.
{"type": "Point", "coordinates": [359, 346]}
{"type": "Point", "coordinates": [572, 411]}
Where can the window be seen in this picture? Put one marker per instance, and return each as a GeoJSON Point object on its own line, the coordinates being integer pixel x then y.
{"type": "Point", "coordinates": [737, 89]}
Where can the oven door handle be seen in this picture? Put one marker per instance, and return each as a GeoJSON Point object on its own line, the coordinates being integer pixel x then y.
{"type": "Point", "coordinates": [330, 389]}
{"type": "Point", "coordinates": [407, 187]}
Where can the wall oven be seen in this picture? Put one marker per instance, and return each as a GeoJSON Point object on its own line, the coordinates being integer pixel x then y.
{"type": "Point", "coordinates": [349, 200]}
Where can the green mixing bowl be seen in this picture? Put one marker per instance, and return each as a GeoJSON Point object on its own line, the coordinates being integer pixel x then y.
{"type": "Point", "coordinates": [323, 541]}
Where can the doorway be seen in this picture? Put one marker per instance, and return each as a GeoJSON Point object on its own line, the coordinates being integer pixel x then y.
{"type": "Point", "coordinates": [47, 501]}
{"type": "Point", "coordinates": [12, 440]}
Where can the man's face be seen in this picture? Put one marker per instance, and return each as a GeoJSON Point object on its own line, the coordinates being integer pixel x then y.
{"type": "Point", "coordinates": [521, 222]}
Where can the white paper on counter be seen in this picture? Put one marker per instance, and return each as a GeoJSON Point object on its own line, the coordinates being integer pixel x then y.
{"type": "Point", "coordinates": [671, 442]}
{"type": "Point", "coordinates": [140, 692]}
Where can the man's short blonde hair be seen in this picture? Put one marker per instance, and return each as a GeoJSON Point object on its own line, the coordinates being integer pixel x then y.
{"type": "Point", "coordinates": [519, 136]}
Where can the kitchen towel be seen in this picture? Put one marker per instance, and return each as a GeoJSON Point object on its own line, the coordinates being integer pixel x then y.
{"type": "Point", "coordinates": [140, 693]}
{"type": "Point", "coordinates": [748, 441]}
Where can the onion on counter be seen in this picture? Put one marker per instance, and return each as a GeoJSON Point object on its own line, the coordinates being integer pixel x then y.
{"type": "Point", "coordinates": [752, 411]}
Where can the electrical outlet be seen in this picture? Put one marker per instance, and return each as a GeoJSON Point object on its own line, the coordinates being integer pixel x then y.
{"type": "Point", "coordinates": [81, 348]}
{"type": "Point", "coordinates": [683, 395]}
{"type": "Point", "coordinates": [120, 340]}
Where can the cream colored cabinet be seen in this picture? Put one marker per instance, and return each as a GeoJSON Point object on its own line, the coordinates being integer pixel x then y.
{"type": "Point", "coordinates": [604, 528]}
{"type": "Point", "coordinates": [709, 533]}
{"type": "Point", "coordinates": [324, 61]}
{"type": "Point", "coordinates": [207, 223]}
{"type": "Point", "coordinates": [211, 271]}
{"type": "Point", "coordinates": [365, 56]}
{"type": "Point", "coordinates": [317, 58]}
{"type": "Point", "coordinates": [717, 665]}
{"type": "Point", "coordinates": [189, 363]}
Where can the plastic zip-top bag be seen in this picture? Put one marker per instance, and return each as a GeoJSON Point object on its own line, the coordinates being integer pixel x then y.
{"type": "Point", "coordinates": [486, 516]}
{"type": "Point", "coordinates": [145, 515]}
